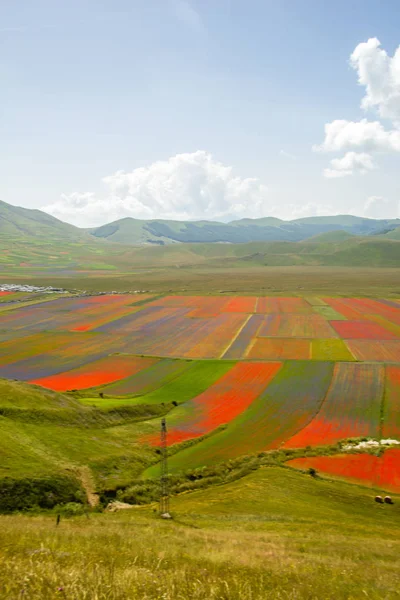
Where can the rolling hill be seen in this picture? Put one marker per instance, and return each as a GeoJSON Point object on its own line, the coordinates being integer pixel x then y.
{"type": "Point", "coordinates": [24, 223]}
{"type": "Point", "coordinates": [33, 242]}
{"type": "Point", "coordinates": [134, 231]}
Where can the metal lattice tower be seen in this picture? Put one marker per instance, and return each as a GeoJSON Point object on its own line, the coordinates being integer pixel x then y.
{"type": "Point", "coordinates": [164, 496]}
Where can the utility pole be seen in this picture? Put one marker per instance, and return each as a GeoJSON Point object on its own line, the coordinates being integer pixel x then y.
{"type": "Point", "coordinates": [164, 496]}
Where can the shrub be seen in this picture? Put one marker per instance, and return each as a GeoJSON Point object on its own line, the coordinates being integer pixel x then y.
{"type": "Point", "coordinates": [28, 493]}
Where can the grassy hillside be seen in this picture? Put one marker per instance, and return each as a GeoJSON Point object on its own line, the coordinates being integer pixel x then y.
{"type": "Point", "coordinates": [33, 244]}
{"type": "Point", "coordinates": [394, 234]}
{"type": "Point", "coordinates": [45, 436]}
{"type": "Point", "coordinates": [273, 534]}
{"type": "Point", "coordinates": [331, 236]}
{"type": "Point", "coordinates": [20, 223]}
{"type": "Point", "coordinates": [134, 231]}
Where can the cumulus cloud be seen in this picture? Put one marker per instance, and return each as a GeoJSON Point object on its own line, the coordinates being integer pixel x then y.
{"type": "Point", "coordinates": [378, 207]}
{"type": "Point", "coordinates": [380, 75]}
{"type": "Point", "coordinates": [366, 135]}
{"type": "Point", "coordinates": [184, 187]}
{"type": "Point", "coordinates": [351, 163]}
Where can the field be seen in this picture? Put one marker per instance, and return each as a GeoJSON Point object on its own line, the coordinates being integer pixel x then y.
{"type": "Point", "coordinates": [256, 391]}
{"type": "Point", "coordinates": [235, 375]}
{"type": "Point", "coordinates": [382, 472]}
{"type": "Point", "coordinates": [67, 332]}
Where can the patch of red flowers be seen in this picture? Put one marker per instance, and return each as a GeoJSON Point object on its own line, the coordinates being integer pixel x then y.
{"type": "Point", "coordinates": [105, 370]}
{"type": "Point", "coordinates": [222, 402]}
{"type": "Point", "coordinates": [362, 330]}
{"type": "Point", "coordinates": [382, 472]}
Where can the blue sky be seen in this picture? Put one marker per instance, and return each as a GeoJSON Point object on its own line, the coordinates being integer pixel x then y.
{"type": "Point", "coordinates": [199, 108]}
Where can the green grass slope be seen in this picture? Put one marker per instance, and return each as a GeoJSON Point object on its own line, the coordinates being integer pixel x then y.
{"type": "Point", "coordinates": [394, 234]}
{"type": "Point", "coordinates": [331, 236]}
{"type": "Point", "coordinates": [135, 231]}
{"type": "Point", "coordinates": [18, 222]}
{"type": "Point", "coordinates": [33, 243]}
{"type": "Point", "coordinates": [44, 435]}
{"type": "Point", "coordinates": [274, 534]}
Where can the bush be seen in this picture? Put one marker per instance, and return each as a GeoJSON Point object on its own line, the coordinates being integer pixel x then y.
{"type": "Point", "coordinates": [27, 493]}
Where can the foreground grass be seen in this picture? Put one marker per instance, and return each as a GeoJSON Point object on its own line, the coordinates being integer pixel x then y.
{"type": "Point", "coordinates": [275, 534]}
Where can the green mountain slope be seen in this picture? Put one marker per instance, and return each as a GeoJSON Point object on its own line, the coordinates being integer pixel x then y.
{"type": "Point", "coordinates": [331, 236]}
{"type": "Point", "coordinates": [394, 234]}
{"type": "Point", "coordinates": [134, 231]}
{"type": "Point", "coordinates": [33, 241]}
{"type": "Point", "coordinates": [17, 222]}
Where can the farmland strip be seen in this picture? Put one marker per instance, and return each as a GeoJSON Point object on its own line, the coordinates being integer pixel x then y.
{"type": "Point", "coordinates": [289, 401]}
{"type": "Point", "coordinates": [391, 414]}
{"type": "Point", "coordinates": [192, 382]}
{"type": "Point", "coordinates": [220, 403]}
{"type": "Point", "coordinates": [350, 409]}
{"type": "Point", "coordinates": [382, 472]}
{"type": "Point", "coordinates": [97, 373]}
{"type": "Point", "coordinates": [244, 337]}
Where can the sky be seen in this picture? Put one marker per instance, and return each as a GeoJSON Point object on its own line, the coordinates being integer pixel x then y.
{"type": "Point", "coordinates": [200, 109]}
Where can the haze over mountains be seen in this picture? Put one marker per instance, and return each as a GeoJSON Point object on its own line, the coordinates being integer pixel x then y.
{"type": "Point", "coordinates": [33, 240]}
{"type": "Point", "coordinates": [22, 222]}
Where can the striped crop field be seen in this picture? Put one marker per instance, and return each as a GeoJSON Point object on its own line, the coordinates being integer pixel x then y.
{"type": "Point", "coordinates": [373, 350]}
{"type": "Point", "coordinates": [234, 374]}
{"type": "Point", "coordinates": [156, 375]}
{"type": "Point", "coordinates": [379, 472]}
{"type": "Point", "coordinates": [239, 345]}
{"type": "Point", "coordinates": [191, 382]}
{"type": "Point", "coordinates": [222, 402]}
{"type": "Point", "coordinates": [351, 407]}
{"type": "Point", "coordinates": [362, 330]}
{"type": "Point", "coordinates": [281, 349]}
{"type": "Point", "coordinates": [246, 304]}
{"type": "Point", "coordinates": [333, 349]}
{"type": "Point", "coordinates": [210, 327]}
{"type": "Point", "coordinates": [303, 326]}
{"type": "Point", "coordinates": [391, 413]}
{"type": "Point", "coordinates": [291, 399]}
{"type": "Point", "coordinates": [100, 372]}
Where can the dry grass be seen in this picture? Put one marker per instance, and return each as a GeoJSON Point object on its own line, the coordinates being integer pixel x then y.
{"type": "Point", "coordinates": [233, 542]}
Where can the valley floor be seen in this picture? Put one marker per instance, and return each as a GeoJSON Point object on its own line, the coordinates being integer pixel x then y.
{"type": "Point", "coordinates": [245, 279]}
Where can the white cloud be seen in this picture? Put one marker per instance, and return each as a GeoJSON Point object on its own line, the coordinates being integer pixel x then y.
{"type": "Point", "coordinates": [365, 135]}
{"type": "Point", "coordinates": [352, 162]}
{"type": "Point", "coordinates": [380, 75]}
{"type": "Point", "coordinates": [188, 15]}
{"type": "Point", "coordinates": [377, 207]}
{"type": "Point", "coordinates": [184, 187]}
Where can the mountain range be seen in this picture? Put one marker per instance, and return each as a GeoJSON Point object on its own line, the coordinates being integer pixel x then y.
{"type": "Point", "coordinates": [32, 239]}
{"type": "Point", "coordinates": [23, 222]}
{"type": "Point", "coordinates": [135, 231]}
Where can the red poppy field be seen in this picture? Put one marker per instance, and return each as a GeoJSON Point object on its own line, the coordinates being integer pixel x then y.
{"type": "Point", "coordinates": [249, 373]}
{"type": "Point", "coordinates": [379, 472]}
